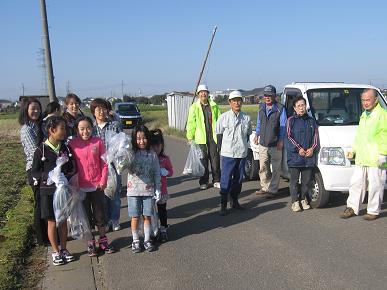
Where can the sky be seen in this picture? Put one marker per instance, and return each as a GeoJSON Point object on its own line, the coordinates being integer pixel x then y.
{"type": "Point", "coordinates": [154, 47]}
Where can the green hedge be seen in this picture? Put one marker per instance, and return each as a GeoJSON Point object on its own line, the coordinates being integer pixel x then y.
{"type": "Point", "coordinates": [16, 240]}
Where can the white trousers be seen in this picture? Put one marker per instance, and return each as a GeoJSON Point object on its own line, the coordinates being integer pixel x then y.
{"type": "Point", "coordinates": [364, 178]}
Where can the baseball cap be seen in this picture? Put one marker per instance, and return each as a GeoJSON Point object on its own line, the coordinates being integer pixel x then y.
{"type": "Point", "coordinates": [269, 90]}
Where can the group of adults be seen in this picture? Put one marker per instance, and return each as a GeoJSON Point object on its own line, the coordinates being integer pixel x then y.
{"type": "Point", "coordinates": [225, 137]}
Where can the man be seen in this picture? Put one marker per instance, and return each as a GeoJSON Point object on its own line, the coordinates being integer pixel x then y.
{"type": "Point", "coordinates": [370, 151]}
{"type": "Point", "coordinates": [233, 130]}
{"type": "Point", "coordinates": [201, 123]}
{"type": "Point", "coordinates": [270, 132]}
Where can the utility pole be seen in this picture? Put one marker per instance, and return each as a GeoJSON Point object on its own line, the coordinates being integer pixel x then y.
{"type": "Point", "coordinates": [68, 87]}
{"type": "Point", "coordinates": [23, 89]}
{"type": "Point", "coordinates": [122, 88]}
{"type": "Point", "coordinates": [47, 52]}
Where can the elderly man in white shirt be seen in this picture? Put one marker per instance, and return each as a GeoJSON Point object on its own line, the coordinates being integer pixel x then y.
{"type": "Point", "coordinates": [233, 129]}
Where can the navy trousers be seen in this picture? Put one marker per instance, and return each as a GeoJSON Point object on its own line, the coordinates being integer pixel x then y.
{"type": "Point", "coordinates": [231, 177]}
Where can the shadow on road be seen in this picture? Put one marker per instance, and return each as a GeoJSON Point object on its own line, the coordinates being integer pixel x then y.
{"type": "Point", "coordinates": [210, 221]}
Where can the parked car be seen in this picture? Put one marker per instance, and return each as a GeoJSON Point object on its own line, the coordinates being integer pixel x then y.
{"type": "Point", "coordinates": [337, 109]}
{"type": "Point", "coordinates": [129, 114]}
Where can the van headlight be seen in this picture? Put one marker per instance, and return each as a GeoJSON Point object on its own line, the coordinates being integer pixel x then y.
{"type": "Point", "coordinates": [332, 156]}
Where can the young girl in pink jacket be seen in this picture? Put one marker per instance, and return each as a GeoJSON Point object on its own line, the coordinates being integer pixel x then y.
{"type": "Point", "coordinates": [92, 178]}
{"type": "Point", "coordinates": [166, 170]}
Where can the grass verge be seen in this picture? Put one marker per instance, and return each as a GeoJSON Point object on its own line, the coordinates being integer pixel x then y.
{"type": "Point", "coordinates": [15, 240]}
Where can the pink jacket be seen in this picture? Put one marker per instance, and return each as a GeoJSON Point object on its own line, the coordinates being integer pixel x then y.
{"type": "Point", "coordinates": [92, 170]}
{"type": "Point", "coordinates": [165, 162]}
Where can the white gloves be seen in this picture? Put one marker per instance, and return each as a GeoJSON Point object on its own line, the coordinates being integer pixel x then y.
{"type": "Point", "coordinates": [157, 195]}
{"type": "Point", "coordinates": [164, 172]}
{"type": "Point", "coordinates": [382, 159]}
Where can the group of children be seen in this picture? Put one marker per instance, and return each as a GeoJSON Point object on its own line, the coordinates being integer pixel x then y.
{"type": "Point", "coordinates": [83, 142]}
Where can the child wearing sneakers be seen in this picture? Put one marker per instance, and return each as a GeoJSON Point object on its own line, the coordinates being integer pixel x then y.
{"type": "Point", "coordinates": [166, 170]}
{"type": "Point", "coordinates": [92, 179]}
{"type": "Point", "coordinates": [44, 161]}
{"type": "Point", "coordinates": [143, 186]}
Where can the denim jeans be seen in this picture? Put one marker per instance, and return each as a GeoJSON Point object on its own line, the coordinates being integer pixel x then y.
{"type": "Point", "coordinates": [113, 205]}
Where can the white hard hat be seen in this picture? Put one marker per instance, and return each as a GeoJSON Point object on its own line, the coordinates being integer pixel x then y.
{"type": "Point", "coordinates": [202, 88]}
{"type": "Point", "coordinates": [234, 94]}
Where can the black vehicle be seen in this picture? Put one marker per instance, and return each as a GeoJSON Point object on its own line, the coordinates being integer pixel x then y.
{"type": "Point", "coordinates": [129, 114]}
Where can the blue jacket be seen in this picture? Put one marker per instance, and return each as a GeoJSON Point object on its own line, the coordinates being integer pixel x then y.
{"type": "Point", "coordinates": [301, 132]}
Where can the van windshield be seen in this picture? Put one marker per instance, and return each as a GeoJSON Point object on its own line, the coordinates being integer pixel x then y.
{"type": "Point", "coordinates": [336, 106]}
{"type": "Point", "coordinates": [127, 109]}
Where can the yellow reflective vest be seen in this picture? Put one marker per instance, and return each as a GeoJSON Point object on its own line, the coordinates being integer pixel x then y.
{"type": "Point", "coordinates": [371, 138]}
{"type": "Point", "coordinates": [196, 127]}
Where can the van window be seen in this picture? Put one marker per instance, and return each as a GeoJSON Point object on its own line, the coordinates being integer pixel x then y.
{"type": "Point", "coordinates": [336, 106]}
{"type": "Point", "coordinates": [290, 94]}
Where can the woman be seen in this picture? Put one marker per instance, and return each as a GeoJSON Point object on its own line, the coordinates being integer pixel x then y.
{"type": "Point", "coordinates": [302, 149]}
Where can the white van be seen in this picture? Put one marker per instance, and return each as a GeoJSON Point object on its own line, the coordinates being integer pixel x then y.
{"type": "Point", "coordinates": [337, 109]}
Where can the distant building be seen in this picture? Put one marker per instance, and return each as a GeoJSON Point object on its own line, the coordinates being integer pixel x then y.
{"type": "Point", "coordinates": [4, 104]}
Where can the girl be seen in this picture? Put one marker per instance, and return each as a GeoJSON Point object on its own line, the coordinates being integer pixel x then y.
{"type": "Point", "coordinates": [43, 162]}
{"type": "Point", "coordinates": [52, 109]}
{"type": "Point", "coordinates": [92, 178]}
{"type": "Point", "coordinates": [166, 170]}
{"type": "Point", "coordinates": [30, 118]}
{"type": "Point", "coordinates": [72, 102]}
{"type": "Point", "coordinates": [143, 185]}
{"type": "Point", "coordinates": [100, 108]}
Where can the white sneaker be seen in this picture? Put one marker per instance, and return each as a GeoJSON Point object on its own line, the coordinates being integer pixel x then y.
{"type": "Point", "coordinates": [116, 225]}
{"type": "Point", "coordinates": [296, 206]}
{"type": "Point", "coordinates": [304, 204]}
{"type": "Point", "coordinates": [217, 185]}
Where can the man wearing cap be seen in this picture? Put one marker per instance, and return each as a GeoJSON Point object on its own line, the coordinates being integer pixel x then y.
{"type": "Point", "coordinates": [233, 130]}
{"type": "Point", "coordinates": [201, 123]}
{"type": "Point", "coordinates": [270, 132]}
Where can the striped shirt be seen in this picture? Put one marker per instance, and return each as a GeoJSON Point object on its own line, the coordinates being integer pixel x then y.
{"type": "Point", "coordinates": [29, 137]}
{"type": "Point", "coordinates": [103, 132]}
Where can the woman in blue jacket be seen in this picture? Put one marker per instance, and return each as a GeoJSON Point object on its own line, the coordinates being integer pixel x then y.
{"type": "Point", "coordinates": [302, 148]}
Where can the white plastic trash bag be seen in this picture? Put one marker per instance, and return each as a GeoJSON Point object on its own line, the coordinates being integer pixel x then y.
{"type": "Point", "coordinates": [193, 165]}
{"type": "Point", "coordinates": [78, 226]}
{"type": "Point", "coordinates": [111, 186]}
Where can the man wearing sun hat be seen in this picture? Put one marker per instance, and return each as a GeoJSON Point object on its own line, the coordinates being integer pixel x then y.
{"type": "Point", "coordinates": [233, 130]}
{"type": "Point", "coordinates": [201, 122]}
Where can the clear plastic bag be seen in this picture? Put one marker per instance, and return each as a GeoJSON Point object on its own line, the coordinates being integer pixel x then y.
{"type": "Point", "coordinates": [119, 151]}
{"type": "Point", "coordinates": [155, 223]}
{"type": "Point", "coordinates": [78, 226]}
{"type": "Point", "coordinates": [111, 186]}
{"type": "Point", "coordinates": [193, 165]}
{"type": "Point", "coordinates": [62, 195]}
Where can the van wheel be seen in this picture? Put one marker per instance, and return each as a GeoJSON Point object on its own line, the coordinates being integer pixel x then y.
{"type": "Point", "coordinates": [320, 196]}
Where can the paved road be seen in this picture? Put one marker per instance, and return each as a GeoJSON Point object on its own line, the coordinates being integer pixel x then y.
{"type": "Point", "coordinates": [264, 247]}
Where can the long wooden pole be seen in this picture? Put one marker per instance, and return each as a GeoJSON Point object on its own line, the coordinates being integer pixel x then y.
{"type": "Point", "coordinates": [205, 62]}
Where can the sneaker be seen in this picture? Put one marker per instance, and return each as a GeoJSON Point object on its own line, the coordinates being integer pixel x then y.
{"type": "Point", "coordinates": [57, 259]}
{"type": "Point", "coordinates": [149, 246]}
{"type": "Point", "coordinates": [163, 237]}
{"type": "Point", "coordinates": [217, 185]}
{"type": "Point", "coordinates": [296, 206]}
{"type": "Point", "coordinates": [347, 213]}
{"type": "Point", "coordinates": [66, 255]}
{"type": "Point", "coordinates": [136, 248]}
{"type": "Point", "coordinates": [370, 217]}
{"type": "Point", "coordinates": [91, 248]}
{"type": "Point", "coordinates": [116, 226]}
{"type": "Point", "coordinates": [304, 204]}
{"type": "Point", "coordinates": [104, 245]}
{"type": "Point", "coordinates": [203, 186]}
{"type": "Point", "coordinates": [260, 192]}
